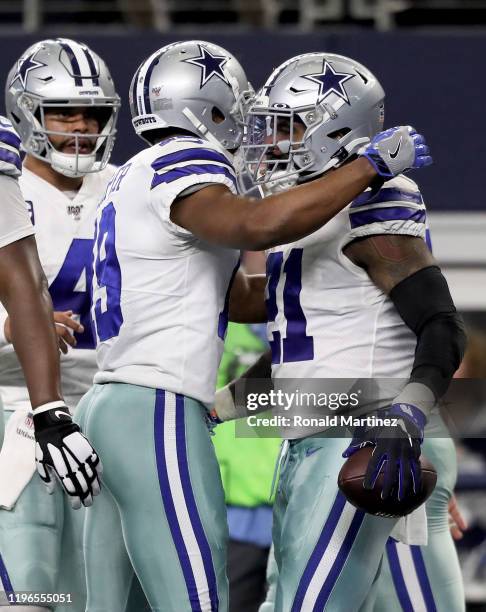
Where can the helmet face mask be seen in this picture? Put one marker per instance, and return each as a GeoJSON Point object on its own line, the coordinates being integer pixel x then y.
{"type": "Point", "coordinates": [194, 87]}
{"type": "Point", "coordinates": [275, 145]}
{"type": "Point", "coordinates": [332, 105]}
{"type": "Point", "coordinates": [51, 76]}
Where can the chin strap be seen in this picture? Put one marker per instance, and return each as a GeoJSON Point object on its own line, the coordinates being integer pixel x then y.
{"type": "Point", "coordinates": [345, 152]}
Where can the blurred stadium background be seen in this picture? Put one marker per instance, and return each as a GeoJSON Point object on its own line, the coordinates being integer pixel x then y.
{"type": "Point", "coordinates": [429, 56]}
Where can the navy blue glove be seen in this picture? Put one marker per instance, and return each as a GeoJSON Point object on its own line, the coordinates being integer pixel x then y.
{"type": "Point", "coordinates": [395, 150]}
{"type": "Point", "coordinates": [396, 451]}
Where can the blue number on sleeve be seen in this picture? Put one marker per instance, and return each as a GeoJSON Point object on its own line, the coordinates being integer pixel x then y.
{"type": "Point", "coordinates": [108, 312]}
{"type": "Point", "coordinates": [71, 289]}
{"type": "Point", "coordinates": [297, 345]}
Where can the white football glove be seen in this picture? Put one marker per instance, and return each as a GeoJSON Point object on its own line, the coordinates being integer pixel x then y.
{"type": "Point", "coordinates": [10, 160]}
{"type": "Point", "coordinates": [62, 451]}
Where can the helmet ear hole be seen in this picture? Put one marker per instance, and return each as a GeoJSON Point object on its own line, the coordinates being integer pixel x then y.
{"type": "Point", "coordinates": [217, 115]}
{"type": "Point", "coordinates": [338, 134]}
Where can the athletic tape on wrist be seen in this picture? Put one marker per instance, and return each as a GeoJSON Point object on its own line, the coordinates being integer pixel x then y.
{"type": "Point", "coordinates": [418, 395]}
{"type": "Point", "coordinates": [224, 405]}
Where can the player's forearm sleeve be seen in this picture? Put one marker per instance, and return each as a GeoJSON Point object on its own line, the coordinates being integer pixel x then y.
{"type": "Point", "coordinates": [424, 302]}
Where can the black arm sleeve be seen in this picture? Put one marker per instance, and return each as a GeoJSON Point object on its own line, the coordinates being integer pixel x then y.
{"type": "Point", "coordinates": [424, 302]}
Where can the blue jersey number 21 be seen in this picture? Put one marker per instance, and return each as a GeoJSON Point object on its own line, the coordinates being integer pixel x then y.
{"type": "Point", "coordinates": [297, 345]}
{"type": "Point", "coordinates": [108, 312]}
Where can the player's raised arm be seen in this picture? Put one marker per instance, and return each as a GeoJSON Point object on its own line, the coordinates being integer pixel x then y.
{"type": "Point", "coordinates": [194, 188]}
{"type": "Point", "coordinates": [216, 215]}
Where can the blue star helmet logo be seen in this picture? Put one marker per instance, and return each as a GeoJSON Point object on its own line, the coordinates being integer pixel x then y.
{"type": "Point", "coordinates": [330, 81]}
{"type": "Point", "coordinates": [24, 66]}
{"type": "Point", "coordinates": [211, 65]}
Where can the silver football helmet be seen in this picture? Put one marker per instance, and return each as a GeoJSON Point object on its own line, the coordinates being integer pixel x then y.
{"type": "Point", "coordinates": [194, 86]}
{"type": "Point", "coordinates": [62, 73]}
{"type": "Point", "coordinates": [314, 112]}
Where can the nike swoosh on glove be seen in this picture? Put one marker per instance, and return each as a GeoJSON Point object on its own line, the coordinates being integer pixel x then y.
{"type": "Point", "coordinates": [10, 160]}
{"type": "Point", "coordinates": [62, 452]}
{"type": "Point", "coordinates": [395, 150]}
{"type": "Point", "coordinates": [396, 451]}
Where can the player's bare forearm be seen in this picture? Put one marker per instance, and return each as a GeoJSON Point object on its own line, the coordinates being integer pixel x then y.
{"type": "Point", "coordinates": [247, 299]}
{"type": "Point", "coordinates": [24, 293]}
{"type": "Point", "coordinates": [219, 217]}
{"type": "Point", "coordinates": [390, 259]}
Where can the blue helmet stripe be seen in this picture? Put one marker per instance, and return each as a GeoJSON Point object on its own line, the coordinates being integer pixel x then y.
{"type": "Point", "coordinates": [134, 90]}
{"type": "Point", "coordinates": [91, 65]}
{"type": "Point", "coordinates": [146, 84]}
{"type": "Point", "coordinates": [78, 81]}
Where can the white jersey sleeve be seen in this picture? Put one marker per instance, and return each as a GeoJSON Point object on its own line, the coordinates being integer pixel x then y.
{"type": "Point", "coordinates": [183, 164]}
{"type": "Point", "coordinates": [10, 162]}
{"type": "Point", "coordinates": [14, 219]}
{"type": "Point", "coordinates": [397, 208]}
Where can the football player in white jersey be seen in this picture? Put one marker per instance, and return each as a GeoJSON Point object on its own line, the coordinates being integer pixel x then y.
{"type": "Point", "coordinates": [360, 298]}
{"type": "Point", "coordinates": [23, 292]}
{"type": "Point", "coordinates": [166, 251]}
{"type": "Point", "coordinates": [62, 101]}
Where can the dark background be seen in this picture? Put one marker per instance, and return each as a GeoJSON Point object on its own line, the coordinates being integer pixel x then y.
{"type": "Point", "coordinates": [434, 81]}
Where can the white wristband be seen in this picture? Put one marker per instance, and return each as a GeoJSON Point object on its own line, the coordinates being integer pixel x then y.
{"type": "Point", "coordinates": [418, 395]}
{"type": "Point", "coordinates": [3, 338]}
{"type": "Point", "coordinates": [49, 406]}
{"type": "Point", "coordinates": [224, 405]}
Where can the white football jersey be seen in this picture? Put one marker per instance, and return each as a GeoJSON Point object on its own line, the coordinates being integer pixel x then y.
{"type": "Point", "coordinates": [14, 220]}
{"type": "Point", "coordinates": [327, 319]}
{"type": "Point", "coordinates": [64, 234]}
{"type": "Point", "coordinates": [160, 294]}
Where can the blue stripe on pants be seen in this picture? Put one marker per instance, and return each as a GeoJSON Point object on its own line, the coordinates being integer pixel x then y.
{"type": "Point", "coordinates": [338, 564]}
{"type": "Point", "coordinates": [191, 504]}
{"type": "Point", "coordinates": [319, 550]}
{"type": "Point", "coordinates": [5, 578]}
{"type": "Point", "coordinates": [169, 502]}
{"type": "Point", "coordinates": [421, 570]}
{"type": "Point", "coordinates": [397, 575]}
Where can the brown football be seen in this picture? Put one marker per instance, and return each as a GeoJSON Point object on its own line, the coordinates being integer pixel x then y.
{"type": "Point", "coordinates": [350, 481]}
